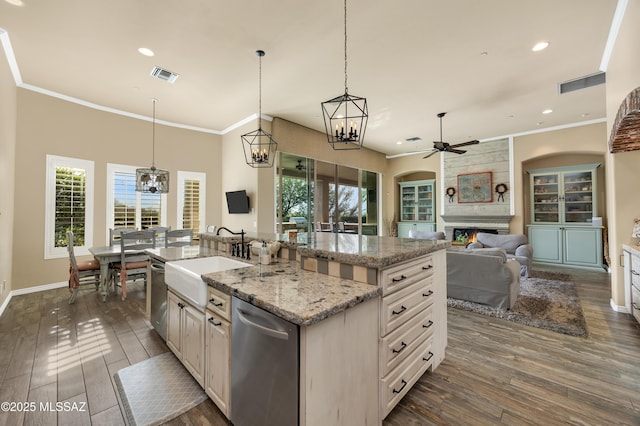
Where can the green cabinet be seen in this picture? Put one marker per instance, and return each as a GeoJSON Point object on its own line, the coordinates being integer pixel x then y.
{"type": "Point", "coordinates": [417, 207]}
{"type": "Point", "coordinates": [563, 203]}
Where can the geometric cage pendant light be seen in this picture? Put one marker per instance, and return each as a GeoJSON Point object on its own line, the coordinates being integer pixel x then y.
{"type": "Point", "coordinates": [345, 116]}
{"type": "Point", "coordinates": [151, 179]}
{"type": "Point", "coordinates": [259, 146]}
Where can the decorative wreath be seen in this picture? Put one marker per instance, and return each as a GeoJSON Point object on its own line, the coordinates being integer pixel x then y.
{"type": "Point", "coordinates": [501, 188]}
{"type": "Point", "coordinates": [451, 191]}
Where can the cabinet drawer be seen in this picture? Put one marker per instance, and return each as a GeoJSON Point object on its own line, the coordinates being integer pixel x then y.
{"type": "Point", "coordinates": [395, 385]}
{"type": "Point", "coordinates": [403, 304]}
{"type": "Point", "coordinates": [219, 303]}
{"type": "Point", "coordinates": [635, 302]}
{"type": "Point", "coordinates": [404, 340]}
{"type": "Point", "coordinates": [405, 274]}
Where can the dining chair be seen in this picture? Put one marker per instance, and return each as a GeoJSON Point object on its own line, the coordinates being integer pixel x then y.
{"type": "Point", "coordinates": [80, 273]}
{"type": "Point", "coordinates": [178, 238]}
{"type": "Point", "coordinates": [115, 233]}
{"type": "Point", "coordinates": [133, 261]}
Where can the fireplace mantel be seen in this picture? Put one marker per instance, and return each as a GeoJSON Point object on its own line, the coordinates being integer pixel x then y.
{"type": "Point", "coordinates": [498, 222]}
{"type": "Point", "coordinates": [466, 219]}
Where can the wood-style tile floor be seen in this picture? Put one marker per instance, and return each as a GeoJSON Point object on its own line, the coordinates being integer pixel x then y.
{"type": "Point", "coordinates": [494, 372]}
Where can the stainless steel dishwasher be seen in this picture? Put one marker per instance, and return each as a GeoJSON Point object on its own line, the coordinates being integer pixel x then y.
{"type": "Point", "coordinates": [264, 367]}
{"type": "Point", "coordinates": [158, 313]}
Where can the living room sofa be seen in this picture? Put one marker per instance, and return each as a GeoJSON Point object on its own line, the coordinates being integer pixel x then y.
{"type": "Point", "coordinates": [516, 245]}
{"type": "Point", "coordinates": [426, 235]}
{"type": "Point", "coordinates": [484, 276]}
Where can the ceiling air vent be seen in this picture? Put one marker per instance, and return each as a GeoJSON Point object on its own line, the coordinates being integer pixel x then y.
{"type": "Point", "coordinates": [581, 83]}
{"type": "Point", "coordinates": [164, 74]}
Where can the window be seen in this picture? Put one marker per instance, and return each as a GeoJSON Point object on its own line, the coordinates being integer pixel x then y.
{"type": "Point", "coordinates": [69, 205]}
{"type": "Point", "coordinates": [191, 201]}
{"type": "Point", "coordinates": [127, 208]}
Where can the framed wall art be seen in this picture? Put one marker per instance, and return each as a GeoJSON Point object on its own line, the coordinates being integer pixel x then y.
{"type": "Point", "coordinates": [475, 188]}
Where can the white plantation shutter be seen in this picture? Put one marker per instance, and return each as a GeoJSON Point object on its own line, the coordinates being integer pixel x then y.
{"type": "Point", "coordinates": [191, 201]}
{"type": "Point", "coordinates": [69, 205]}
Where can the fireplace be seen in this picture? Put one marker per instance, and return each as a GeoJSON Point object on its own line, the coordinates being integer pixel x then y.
{"type": "Point", "coordinates": [464, 236]}
{"type": "Point", "coordinates": [496, 224]}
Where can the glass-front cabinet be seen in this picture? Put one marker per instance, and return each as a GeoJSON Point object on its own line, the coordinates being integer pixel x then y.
{"type": "Point", "coordinates": [417, 207]}
{"type": "Point", "coordinates": [563, 205]}
{"type": "Point", "coordinates": [566, 196]}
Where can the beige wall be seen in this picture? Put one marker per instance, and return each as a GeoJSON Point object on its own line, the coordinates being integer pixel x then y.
{"type": "Point", "coordinates": [8, 114]}
{"type": "Point", "coordinates": [47, 125]}
{"type": "Point", "coordinates": [623, 168]}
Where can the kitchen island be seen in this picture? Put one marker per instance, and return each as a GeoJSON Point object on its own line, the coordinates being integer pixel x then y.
{"type": "Point", "coordinates": [403, 331]}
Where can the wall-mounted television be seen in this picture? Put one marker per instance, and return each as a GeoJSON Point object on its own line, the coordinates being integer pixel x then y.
{"type": "Point", "coordinates": [238, 202]}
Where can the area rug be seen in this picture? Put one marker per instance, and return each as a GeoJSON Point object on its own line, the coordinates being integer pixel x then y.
{"type": "Point", "coordinates": [546, 300]}
{"type": "Point", "coordinates": [157, 390]}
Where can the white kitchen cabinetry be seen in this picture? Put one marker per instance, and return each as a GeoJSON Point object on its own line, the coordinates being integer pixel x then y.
{"type": "Point", "coordinates": [563, 203]}
{"type": "Point", "coordinates": [632, 277]}
{"type": "Point", "coordinates": [218, 349]}
{"type": "Point", "coordinates": [413, 324]}
{"type": "Point", "coordinates": [417, 207]}
{"type": "Point", "coordinates": [185, 334]}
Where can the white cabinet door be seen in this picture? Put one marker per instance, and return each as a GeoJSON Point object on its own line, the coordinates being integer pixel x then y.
{"type": "Point", "coordinates": [218, 342]}
{"type": "Point", "coordinates": [174, 324]}
{"type": "Point", "coordinates": [193, 342]}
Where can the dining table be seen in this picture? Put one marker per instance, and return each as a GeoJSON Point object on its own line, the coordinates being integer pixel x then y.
{"type": "Point", "coordinates": [107, 255]}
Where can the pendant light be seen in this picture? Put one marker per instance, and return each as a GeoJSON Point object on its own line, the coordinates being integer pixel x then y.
{"type": "Point", "coordinates": [259, 146]}
{"type": "Point", "coordinates": [345, 116]}
{"type": "Point", "coordinates": [152, 180]}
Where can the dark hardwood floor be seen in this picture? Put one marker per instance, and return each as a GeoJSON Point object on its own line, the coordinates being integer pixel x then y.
{"type": "Point", "coordinates": [495, 372]}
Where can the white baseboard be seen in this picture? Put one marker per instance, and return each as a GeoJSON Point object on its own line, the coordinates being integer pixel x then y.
{"type": "Point", "coordinates": [30, 290]}
{"type": "Point", "coordinates": [618, 308]}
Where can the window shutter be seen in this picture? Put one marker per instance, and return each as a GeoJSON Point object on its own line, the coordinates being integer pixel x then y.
{"type": "Point", "coordinates": [191, 207]}
{"type": "Point", "coordinates": [124, 207]}
{"type": "Point", "coordinates": [71, 184]}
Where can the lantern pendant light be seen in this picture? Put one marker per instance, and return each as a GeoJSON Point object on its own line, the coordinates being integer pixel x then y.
{"type": "Point", "coordinates": [345, 116]}
{"type": "Point", "coordinates": [151, 179]}
{"type": "Point", "coordinates": [259, 146]}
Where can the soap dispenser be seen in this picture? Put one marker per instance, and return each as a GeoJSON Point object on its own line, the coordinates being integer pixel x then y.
{"type": "Point", "coordinates": [265, 255]}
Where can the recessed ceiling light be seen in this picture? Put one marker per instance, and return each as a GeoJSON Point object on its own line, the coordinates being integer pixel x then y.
{"type": "Point", "coordinates": [15, 2]}
{"type": "Point", "coordinates": [399, 143]}
{"type": "Point", "coordinates": [541, 45]}
{"type": "Point", "coordinates": [146, 51]}
{"type": "Point", "coordinates": [484, 53]}
{"type": "Point", "coordinates": [585, 114]}
{"type": "Point", "coordinates": [547, 111]}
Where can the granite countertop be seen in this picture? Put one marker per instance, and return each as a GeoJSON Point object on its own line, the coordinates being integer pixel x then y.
{"type": "Point", "coordinates": [180, 253]}
{"type": "Point", "coordinates": [288, 291]}
{"type": "Point", "coordinates": [364, 250]}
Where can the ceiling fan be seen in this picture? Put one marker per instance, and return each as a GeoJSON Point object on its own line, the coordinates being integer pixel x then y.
{"type": "Point", "coordinates": [440, 146]}
{"type": "Point", "coordinates": [299, 166]}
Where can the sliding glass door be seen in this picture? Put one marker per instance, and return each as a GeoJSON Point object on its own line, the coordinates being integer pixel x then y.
{"type": "Point", "coordinates": [319, 196]}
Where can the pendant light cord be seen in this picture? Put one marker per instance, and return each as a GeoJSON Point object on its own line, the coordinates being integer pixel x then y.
{"type": "Point", "coordinates": [345, 47]}
{"type": "Point", "coordinates": [153, 135]}
{"type": "Point", "coordinates": [260, 55]}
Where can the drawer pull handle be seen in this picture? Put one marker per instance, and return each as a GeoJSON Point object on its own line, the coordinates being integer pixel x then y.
{"type": "Point", "coordinates": [426, 268]}
{"type": "Point", "coordinates": [427, 294]}
{"type": "Point", "coordinates": [403, 344]}
{"type": "Point", "coordinates": [404, 383]}
{"type": "Point", "coordinates": [396, 280]}
{"type": "Point", "coordinates": [180, 305]}
{"type": "Point", "coordinates": [429, 357]}
{"type": "Point", "coordinates": [634, 272]}
{"type": "Point", "coordinates": [213, 302]}
{"type": "Point", "coordinates": [402, 309]}
{"type": "Point", "coordinates": [429, 324]}
{"type": "Point", "coordinates": [635, 305]}
{"type": "Point", "coordinates": [212, 321]}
